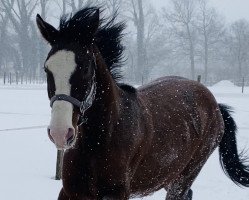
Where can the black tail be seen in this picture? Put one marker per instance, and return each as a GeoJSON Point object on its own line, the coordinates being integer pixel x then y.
{"type": "Point", "coordinates": [233, 164]}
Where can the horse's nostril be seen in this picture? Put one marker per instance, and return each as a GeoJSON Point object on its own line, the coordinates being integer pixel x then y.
{"type": "Point", "coordinates": [49, 135]}
{"type": "Point", "coordinates": [61, 138]}
{"type": "Point", "coordinates": [70, 136]}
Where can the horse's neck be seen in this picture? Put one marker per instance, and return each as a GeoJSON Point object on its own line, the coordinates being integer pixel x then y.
{"type": "Point", "coordinates": [107, 89]}
{"type": "Point", "coordinates": [106, 107]}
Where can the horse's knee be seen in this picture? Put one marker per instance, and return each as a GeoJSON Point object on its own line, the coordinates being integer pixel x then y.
{"type": "Point", "coordinates": [120, 193]}
{"type": "Point", "coordinates": [116, 195]}
{"type": "Point", "coordinates": [63, 196]}
{"type": "Point", "coordinates": [179, 191]}
{"type": "Point", "coordinates": [190, 194]}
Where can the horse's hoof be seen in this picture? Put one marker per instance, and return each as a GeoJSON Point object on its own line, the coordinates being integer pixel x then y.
{"type": "Point", "coordinates": [190, 195]}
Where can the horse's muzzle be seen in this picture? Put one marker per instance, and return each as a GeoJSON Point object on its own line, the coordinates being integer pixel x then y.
{"type": "Point", "coordinates": [62, 138]}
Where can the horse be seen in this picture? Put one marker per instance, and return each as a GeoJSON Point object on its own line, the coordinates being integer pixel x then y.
{"type": "Point", "coordinates": [122, 142]}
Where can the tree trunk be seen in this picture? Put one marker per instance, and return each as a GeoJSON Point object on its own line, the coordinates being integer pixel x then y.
{"type": "Point", "coordinates": [192, 61]}
{"type": "Point", "coordinates": [10, 79]}
{"type": "Point", "coordinates": [17, 78]}
{"type": "Point", "coordinates": [141, 53]}
{"type": "Point", "coordinates": [240, 70]}
{"type": "Point", "coordinates": [206, 59]}
{"type": "Point", "coordinates": [191, 55]}
{"type": "Point", "coordinates": [64, 7]}
{"type": "Point", "coordinates": [4, 78]}
{"type": "Point", "coordinates": [73, 6]}
{"type": "Point", "coordinates": [3, 35]}
{"type": "Point", "coordinates": [59, 161]}
{"type": "Point", "coordinates": [41, 44]}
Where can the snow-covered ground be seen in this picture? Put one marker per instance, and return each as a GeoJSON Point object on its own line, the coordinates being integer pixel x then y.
{"type": "Point", "coordinates": [27, 157]}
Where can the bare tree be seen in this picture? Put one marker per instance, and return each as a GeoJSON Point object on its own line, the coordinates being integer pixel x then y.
{"type": "Point", "coordinates": [3, 36]}
{"type": "Point", "coordinates": [78, 4]}
{"type": "Point", "coordinates": [135, 10]}
{"type": "Point", "coordinates": [62, 4]}
{"type": "Point", "coordinates": [42, 47]}
{"type": "Point", "coordinates": [182, 20]}
{"type": "Point", "coordinates": [156, 41]}
{"type": "Point", "coordinates": [113, 6]}
{"type": "Point", "coordinates": [43, 4]}
{"type": "Point", "coordinates": [238, 45]}
{"type": "Point", "coordinates": [211, 29]}
{"type": "Point", "coordinates": [20, 16]}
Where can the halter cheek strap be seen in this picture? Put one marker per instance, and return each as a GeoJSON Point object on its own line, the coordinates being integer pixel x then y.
{"type": "Point", "coordinates": [82, 105]}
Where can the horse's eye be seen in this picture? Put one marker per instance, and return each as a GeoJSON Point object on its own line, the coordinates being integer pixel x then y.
{"type": "Point", "coordinates": [85, 70]}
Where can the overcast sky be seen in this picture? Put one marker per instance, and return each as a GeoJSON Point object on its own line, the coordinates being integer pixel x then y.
{"type": "Point", "coordinates": [231, 9]}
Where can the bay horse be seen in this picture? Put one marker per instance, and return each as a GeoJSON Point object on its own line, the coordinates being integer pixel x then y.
{"type": "Point", "coordinates": [121, 142]}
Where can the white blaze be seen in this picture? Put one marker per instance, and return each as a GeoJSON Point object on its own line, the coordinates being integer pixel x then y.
{"type": "Point", "coordinates": [62, 65]}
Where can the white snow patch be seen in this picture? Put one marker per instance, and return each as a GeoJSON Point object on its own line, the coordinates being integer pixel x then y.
{"type": "Point", "coordinates": [224, 83]}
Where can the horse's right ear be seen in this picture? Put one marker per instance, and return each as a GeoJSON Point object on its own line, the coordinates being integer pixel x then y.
{"type": "Point", "coordinates": [48, 31]}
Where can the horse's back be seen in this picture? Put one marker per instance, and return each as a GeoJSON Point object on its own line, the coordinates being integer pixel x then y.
{"type": "Point", "coordinates": [176, 90]}
{"type": "Point", "coordinates": [182, 111]}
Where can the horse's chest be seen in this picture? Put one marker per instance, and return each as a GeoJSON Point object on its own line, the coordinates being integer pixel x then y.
{"type": "Point", "coordinates": [105, 172]}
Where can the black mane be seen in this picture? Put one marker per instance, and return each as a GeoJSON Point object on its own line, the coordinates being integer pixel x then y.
{"type": "Point", "coordinates": [75, 28]}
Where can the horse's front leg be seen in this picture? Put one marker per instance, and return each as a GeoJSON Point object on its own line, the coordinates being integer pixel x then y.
{"type": "Point", "coordinates": [180, 194]}
{"type": "Point", "coordinates": [116, 196]}
{"type": "Point", "coordinates": [117, 193]}
{"type": "Point", "coordinates": [64, 196]}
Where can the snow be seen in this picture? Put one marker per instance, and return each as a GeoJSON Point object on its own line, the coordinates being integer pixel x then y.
{"type": "Point", "coordinates": [224, 83]}
{"type": "Point", "coordinates": [28, 157]}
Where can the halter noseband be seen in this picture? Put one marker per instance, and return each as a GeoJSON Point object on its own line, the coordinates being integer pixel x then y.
{"type": "Point", "coordinates": [82, 105]}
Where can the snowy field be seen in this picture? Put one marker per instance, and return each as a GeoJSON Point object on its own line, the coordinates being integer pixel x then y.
{"type": "Point", "coordinates": [27, 157]}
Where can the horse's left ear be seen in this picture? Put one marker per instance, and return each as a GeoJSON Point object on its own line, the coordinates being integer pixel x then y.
{"type": "Point", "coordinates": [48, 32]}
{"type": "Point", "coordinates": [94, 22]}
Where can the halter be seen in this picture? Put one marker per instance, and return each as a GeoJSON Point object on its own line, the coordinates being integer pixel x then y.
{"type": "Point", "coordinates": [82, 105]}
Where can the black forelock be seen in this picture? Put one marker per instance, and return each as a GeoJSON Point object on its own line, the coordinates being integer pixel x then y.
{"type": "Point", "coordinates": [75, 28]}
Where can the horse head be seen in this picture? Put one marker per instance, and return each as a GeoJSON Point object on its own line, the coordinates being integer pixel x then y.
{"type": "Point", "coordinates": [70, 68]}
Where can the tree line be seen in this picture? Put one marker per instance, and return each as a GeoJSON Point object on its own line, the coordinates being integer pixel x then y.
{"type": "Point", "coordinates": [186, 38]}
